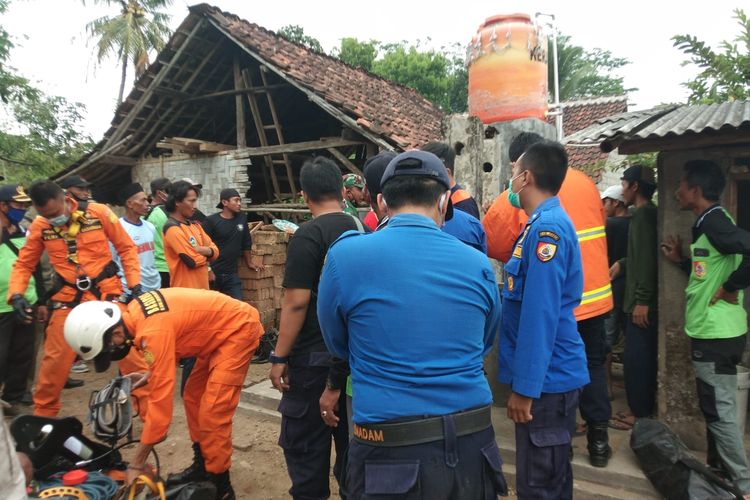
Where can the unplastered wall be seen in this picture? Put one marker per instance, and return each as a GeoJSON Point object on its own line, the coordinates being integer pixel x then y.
{"type": "Point", "coordinates": [215, 172]}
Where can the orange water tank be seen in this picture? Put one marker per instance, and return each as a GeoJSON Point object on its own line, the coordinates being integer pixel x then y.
{"type": "Point", "coordinates": [508, 70]}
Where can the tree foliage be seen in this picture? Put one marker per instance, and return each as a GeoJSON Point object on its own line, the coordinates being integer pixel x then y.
{"type": "Point", "coordinates": [724, 75]}
{"type": "Point", "coordinates": [585, 73]}
{"type": "Point", "coordinates": [39, 134]}
{"type": "Point", "coordinates": [296, 33]}
{"type": "Point", "coordinates": [139, 28]}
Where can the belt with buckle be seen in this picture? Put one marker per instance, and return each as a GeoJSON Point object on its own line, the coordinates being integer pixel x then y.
{"type": "Point", "coordinates": [422, 431]}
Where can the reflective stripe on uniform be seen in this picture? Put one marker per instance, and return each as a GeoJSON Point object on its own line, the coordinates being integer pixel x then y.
{"type": "Point", "coordinates": [597, 294]}
{"type": "Point", "coordinates": [591, 233]}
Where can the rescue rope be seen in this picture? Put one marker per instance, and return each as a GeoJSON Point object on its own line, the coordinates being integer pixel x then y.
{"type": "Point", "coordinates": [96, 487]}
{"type": "Point", "coordinates": [111, 411]}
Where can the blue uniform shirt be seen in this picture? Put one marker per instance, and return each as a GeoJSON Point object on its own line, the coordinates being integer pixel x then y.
{"type": "Point", "coordinates": [540, 349]}
{"type": "Point", "coordinates": [414, 326]}
{"type": "Point", "coordinates": [467, 229]}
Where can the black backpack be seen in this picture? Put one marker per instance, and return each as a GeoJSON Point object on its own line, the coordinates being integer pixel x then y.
{"type": "Point", "coordinates": [670, 467]}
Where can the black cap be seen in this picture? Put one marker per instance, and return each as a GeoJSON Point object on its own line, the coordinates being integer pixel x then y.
{"type": "Point", "coordinates": [74, 181]}
{"type": "Point", "coordinates": [373, 170]}
{"type": "Point", "coordinates": [160, 184]}
{"type": "Point", "coordinates": [226, 194]}
{"type": "Point", "coordinates": [422, 164]}
{"type": "Point", "coordinates": [130, 190]}
{"type": "Point", "coordinates": [639, 173]}
{"type": "Point", "coordinates": [14, 192]}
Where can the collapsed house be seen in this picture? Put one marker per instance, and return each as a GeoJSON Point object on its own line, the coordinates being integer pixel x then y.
{"type": "Point", "coordinates": [228, 103]}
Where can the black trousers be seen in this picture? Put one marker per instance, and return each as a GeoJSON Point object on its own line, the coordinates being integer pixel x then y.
{"type": "Point", "coordinates": [305, 438]}
{"type": "Point", "coordinates": [640, 365]}
{"type": "Point", "coordinates": [456, 468]}
{"type": "Point", "coordinates": [595, 405]}
{"type": "Point", "coordinates": [16, 355]}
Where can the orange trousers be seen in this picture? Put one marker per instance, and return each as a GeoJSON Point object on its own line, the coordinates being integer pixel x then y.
{"type": "Point", "coordinates": [212, 394]}
{"type": "Point", "coordinates": [56, 363]}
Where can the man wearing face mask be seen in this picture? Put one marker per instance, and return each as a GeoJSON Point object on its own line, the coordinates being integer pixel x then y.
{"type": "Point", "coordinates": [580, 199]}
{"type": "Point", "coordinates": [540, 353]}
{"type": "Point", "coordinates": [77, 243]}
{"type": "Point", "coordinates": [16, 336]}
{"type": "Point", "coordinates": [420, 398]}
{"type": "Point", "coordinates": [79, 189]}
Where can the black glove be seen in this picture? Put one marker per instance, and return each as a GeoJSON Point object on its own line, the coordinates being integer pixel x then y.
{"type": "Point", "coordinates": [136, 291]}
{"type": "Point", "coordinates": [22, 308]}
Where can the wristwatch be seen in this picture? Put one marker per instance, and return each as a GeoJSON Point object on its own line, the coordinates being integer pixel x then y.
{"type": "Point", "coordinates": [277, 360]}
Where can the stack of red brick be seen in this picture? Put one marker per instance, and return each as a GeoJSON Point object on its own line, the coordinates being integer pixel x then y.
{"type": "Point", "coordinates": [262, 289]}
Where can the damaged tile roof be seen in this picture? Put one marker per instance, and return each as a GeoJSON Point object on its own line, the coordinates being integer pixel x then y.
{"type": "Point", "coordinates": [394, 112]}
{"type": "Point", "coordinates": [579, 114]}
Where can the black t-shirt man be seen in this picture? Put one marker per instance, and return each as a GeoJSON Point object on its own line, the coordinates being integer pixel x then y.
{"type": "Point", "coordinates": [232, 236]}
{"type": "Point", "coordinates": [304, 262]}
{"type": "Point", "coordinates": [617, 248]}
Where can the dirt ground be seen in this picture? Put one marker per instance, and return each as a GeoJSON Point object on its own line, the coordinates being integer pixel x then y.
{"type": "Point", "coordinates": [258, 470]}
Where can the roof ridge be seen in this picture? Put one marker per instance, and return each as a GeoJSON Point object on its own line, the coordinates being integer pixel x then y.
{"type": "Point", "coordinates": [595, 100]}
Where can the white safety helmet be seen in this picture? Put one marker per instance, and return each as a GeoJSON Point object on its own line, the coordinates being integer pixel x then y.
{"type": "Point", "coordinates": [86, 324]}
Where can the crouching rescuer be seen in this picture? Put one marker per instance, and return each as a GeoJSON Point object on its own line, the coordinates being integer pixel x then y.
{"type": "Point", "coordinates": [164, 326]}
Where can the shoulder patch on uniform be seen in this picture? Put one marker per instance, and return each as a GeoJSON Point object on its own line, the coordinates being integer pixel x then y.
{"type": "Point", "coordinates": [152, 303]}
{"type": "Point", "coordinates": [91, 224]}
{"type": "Point", "coordinates": [546, 251]}
{"type": "Point", "coordinates": [549, 234]}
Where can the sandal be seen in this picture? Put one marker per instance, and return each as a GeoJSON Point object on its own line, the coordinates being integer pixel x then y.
{"type": "Point", "coordinates": [620, 425]}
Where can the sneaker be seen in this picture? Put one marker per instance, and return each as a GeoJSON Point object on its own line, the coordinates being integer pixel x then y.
{"type": "Point", "coordinates": [79, 367]}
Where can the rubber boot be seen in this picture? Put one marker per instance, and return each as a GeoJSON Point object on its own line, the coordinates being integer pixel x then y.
{"type": "Point", "coordinates": [194, 472]}
{"type": "Point", "coordinates": [598, 444]}
{"type": "Point", "coordinates": [224, 490]}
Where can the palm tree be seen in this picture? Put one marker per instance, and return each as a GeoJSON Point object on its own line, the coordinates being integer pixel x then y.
{"type": "Point", "coordinates": [130, 35]}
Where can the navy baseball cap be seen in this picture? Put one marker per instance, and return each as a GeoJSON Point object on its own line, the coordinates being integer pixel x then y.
{"type": "Point", "coordinates": [639, 173]}
{"type": "Point", "coordinates": [374, 168]}
{"type": "Point", "coordinates": [421, 164]}
{"type": "Point", "coordinates": [74, 181]}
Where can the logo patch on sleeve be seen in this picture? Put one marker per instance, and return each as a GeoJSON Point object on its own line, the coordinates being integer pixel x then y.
{"type": "Point", "coordinates": [699, 269]}
{"type": "Point", "coordinates": [510, 283]}
{"type": "Point", "coordinates": [546, 251]}
{"type": "Point", "coordinates": [152, 303]}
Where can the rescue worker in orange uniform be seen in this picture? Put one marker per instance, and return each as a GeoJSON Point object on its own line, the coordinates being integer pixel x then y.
{"type": "Point", "coordinates": [77, 243]}
{"type": "Point", "coordinates": [581, 200]}
{"type": "Point", "coordinates": [187, 248]}
{"type": "Point", "coordinates": [165, 325]}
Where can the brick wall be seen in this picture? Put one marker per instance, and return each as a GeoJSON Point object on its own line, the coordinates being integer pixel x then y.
{"type": "Point", "coordinates": [262, 289]}
{"type": "Point", "coordinates": [215, 172]}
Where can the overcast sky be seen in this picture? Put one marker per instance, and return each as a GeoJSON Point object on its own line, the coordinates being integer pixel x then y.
{"type": "Point", "coordinates": [52, 48]}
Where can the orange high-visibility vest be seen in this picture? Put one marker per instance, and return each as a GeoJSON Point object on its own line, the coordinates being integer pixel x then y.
{"type": "Point", "coordinates": [459, 195]}
{"type": "Point", "coordinates": [581, 200]}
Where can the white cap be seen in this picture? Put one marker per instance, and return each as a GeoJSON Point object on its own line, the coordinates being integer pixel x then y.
{"type": "Point", "coordinates": [192, 182]}
{"type": "Point", "coordinates": [614, 192]}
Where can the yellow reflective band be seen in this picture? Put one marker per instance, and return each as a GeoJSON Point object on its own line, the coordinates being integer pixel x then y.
{"type": "Point", "coordinates": [591, 233]}
{"type": "Point", "coordinates": [597, 294]}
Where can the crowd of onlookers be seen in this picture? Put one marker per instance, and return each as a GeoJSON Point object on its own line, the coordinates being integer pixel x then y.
{"type": "Point", "coordinates": [384, 361]}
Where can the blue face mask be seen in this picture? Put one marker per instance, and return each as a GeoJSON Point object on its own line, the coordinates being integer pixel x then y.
{"type": "Point", "coordinates": [513, 197]}
{"type": "Point", "coordinates": [15, 215]}
{"type": "Point", "coordinates": [58, 221]}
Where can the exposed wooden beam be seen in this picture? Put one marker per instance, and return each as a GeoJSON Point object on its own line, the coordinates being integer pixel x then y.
{"type": "Point", "coordinates": [277, 129]}
{"type": "Point", "coordinates": [345, 161]}
{"type": "Point", "coordinates": [122, 129]}
{"type": "Point", "coordinates": [126, 161]}
{"type": "Point", "coordinates": [224, 93]}
{"type": "Point", "coordinates": [258, 121]}
{"type": "Point", "coordinates": [239, 105]}
{"type": "Point", "coordinates": [297, 147]}
{"type": "Point", "coordinates": [94, 157]}
{"type": "Point", "coordinates": [174, 94]}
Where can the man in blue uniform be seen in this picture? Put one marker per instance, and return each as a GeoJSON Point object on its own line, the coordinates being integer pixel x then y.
{"type": "Point", "coordinates": [541, 354]}
{"type": "Point", "coordinates": [415, 338]}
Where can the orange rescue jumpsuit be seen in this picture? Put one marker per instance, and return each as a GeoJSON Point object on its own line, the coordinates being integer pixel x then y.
{"type": "Point", "coordinates": [222, 333]}
{"type": "Point", "coordinates": [98, 227]}
{"type": "Point", "coordinates": [580, 199]}
{"type": "Point", "coordinates": [187, 268]}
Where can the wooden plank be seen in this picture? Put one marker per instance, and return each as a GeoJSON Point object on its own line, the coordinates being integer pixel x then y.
{"type": "Point", "coordinates": [345, 161]}
{"type": "Point", "coordinates": [224, 93]}
{"type": "Point", "coordinates": [297, 147]}
{"type": "Point", "coordinates": [239, 106]}
{"type": "Point", "coordinates": [215, 147]}
{"type": "Point", "coordinates": [122, 129]}
{"type": "Point", "coordinates": [94, 157]}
